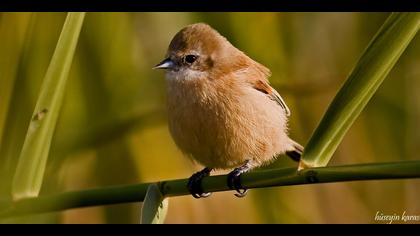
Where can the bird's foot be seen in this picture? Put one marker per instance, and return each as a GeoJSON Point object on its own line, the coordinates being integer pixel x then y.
{"type": "Point", "coordinates": [234, 179]}
{"type": "Point", "coordinates": [194, 183]}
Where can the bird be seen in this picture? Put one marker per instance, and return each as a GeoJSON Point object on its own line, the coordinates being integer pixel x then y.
{"type": "Point", "coordinates": [222, 111]}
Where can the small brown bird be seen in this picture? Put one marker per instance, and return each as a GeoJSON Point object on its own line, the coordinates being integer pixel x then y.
{"type": "Point", "coordinates": [222, 111]}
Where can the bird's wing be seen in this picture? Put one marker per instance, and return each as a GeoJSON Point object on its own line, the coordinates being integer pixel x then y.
{"type": "Point", "coordinates": [264, 87]}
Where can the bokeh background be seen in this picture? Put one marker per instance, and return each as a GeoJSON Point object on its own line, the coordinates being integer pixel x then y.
{"type": "Point", "coordinates": [112, 129]}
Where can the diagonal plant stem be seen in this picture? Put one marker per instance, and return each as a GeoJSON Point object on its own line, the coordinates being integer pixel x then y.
{"type": "Point", "coordinates": [259, 179]}
{"type": "Point", "coordinates": [33, 157]}
{"type": "Point", "coordinates": [374, 65]}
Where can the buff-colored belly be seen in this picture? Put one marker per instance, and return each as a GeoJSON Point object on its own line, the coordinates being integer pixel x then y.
{"type": "Point", "coordinates": [223, 132]}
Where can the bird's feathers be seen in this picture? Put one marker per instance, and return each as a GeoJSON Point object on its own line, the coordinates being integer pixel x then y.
{"type": "Point", "coordinates": [264, 87]}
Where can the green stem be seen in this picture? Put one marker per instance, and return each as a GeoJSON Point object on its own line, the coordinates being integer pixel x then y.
{"type": "Point", "coordinates": [30, 170]}
{"type": "Point", "coordinates": [258, 179]}
{"type": "Point", "coordinates": [374, 65]}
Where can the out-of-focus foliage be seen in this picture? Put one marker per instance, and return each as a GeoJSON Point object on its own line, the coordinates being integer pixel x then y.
{"type": "Point", "coordinates": [33, 157]}
{"type": "Point", "coordinates": [112, 128]}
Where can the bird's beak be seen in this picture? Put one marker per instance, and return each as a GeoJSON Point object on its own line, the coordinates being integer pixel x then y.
{"type": "Point", "coordinates": [165, 64]}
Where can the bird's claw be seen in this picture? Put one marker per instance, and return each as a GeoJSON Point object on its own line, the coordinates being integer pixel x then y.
{"type": "Point", "coordinates": [234, 182]}
{"type": "Point", "coordinates": [194, 184]}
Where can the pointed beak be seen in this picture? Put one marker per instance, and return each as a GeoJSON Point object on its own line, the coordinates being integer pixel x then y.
{"type": "Point", "coordinates": [165, 64]}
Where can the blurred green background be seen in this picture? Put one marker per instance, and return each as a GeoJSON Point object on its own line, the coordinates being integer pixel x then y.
{"type": "Point", "coordinates": [112, 129]}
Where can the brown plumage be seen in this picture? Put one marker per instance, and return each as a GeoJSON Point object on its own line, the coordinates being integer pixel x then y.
{"type": "Point", "coordinates": [222, 111]}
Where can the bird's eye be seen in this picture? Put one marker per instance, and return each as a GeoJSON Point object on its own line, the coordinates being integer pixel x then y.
{"type": "Point", "coordinates": [190, 59]}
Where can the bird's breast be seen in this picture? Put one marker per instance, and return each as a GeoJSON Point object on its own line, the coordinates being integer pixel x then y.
{"type": "Point", "coordinates": [196, 117]}
{"type": "Point", "coordinates": [222, 125]}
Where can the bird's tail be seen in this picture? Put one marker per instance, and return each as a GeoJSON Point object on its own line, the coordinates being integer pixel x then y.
{"type": "Point", "coordinates": [296, 152]}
